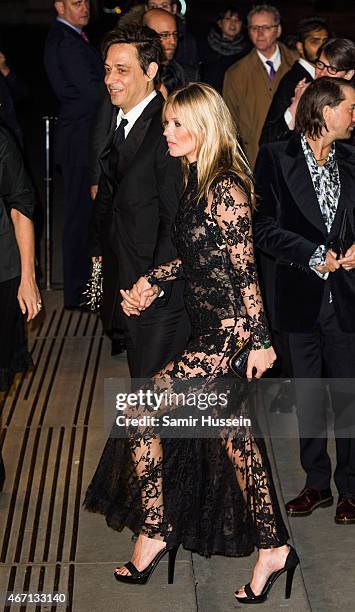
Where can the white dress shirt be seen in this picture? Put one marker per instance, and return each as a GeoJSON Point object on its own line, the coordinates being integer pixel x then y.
{"type": "Point", "coordinates": [308, 66]}
{"type": "Point", "coordinates": [78, 30]}
{"type": "Point", "coordinates": [275, 59]}
{"type": "Point", "coordinates": [134, 113]}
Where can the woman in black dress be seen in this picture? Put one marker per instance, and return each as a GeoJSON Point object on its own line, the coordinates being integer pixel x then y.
{"type": "Point", "coordinates": [216, 495]}
{"type": "Point", "coordinates": [19, 294]}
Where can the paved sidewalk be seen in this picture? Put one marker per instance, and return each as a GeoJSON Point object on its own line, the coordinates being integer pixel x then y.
{"type": "Point", "coordinates": [52, 439]}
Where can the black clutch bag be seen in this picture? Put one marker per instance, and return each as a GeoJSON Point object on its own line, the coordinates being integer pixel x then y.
{"type": "Point", "coordinates": [239, 360]}
{"type": "Point", "coordinates": [346, 236]}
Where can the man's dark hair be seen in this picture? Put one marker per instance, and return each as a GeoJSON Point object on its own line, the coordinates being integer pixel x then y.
{"type": "Point", "coordinates": [146, 41]}
{"type": "Point", "coordinates": [326, 91]}
{"type": "Point", "coordinates": [311, 24]}
{"type": "Point", "coordinates": [340, 53]}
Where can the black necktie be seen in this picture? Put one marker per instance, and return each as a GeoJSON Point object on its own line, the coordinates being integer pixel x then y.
{"type": "Point", "coordinates": [119, 135]}
{"type": "Point", "coordinates": [117, 140]}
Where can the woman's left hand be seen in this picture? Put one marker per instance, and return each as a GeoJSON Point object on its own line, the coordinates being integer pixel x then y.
{"type": "Point", "coordinates": [29, 298]}
{"type": "Point", "coordinates": [260, 360]}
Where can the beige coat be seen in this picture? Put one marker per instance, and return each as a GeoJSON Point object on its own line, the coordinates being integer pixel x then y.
{"type": "Point", "coordinates": [248, 93]}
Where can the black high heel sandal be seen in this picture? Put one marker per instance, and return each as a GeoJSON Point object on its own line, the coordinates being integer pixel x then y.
{"type": "Point", "coordinates": [142, 577]}
{"type": "Point", "coordinates": [291, 563]}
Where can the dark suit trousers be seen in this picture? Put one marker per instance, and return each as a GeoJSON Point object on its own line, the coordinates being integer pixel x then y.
{"type": "Point", "coordinates": [77, 212]}
{"type": "Point", "coordinates": [162, 334]}
{"type": "Point", "coordinates": [326, 352]}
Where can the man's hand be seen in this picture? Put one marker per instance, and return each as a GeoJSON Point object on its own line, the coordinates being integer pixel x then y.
{"type": "Point", "coordinates": [4, 69]}
{"type": "Point", "coordinates": [299, 91]}
{"type": "Point", "coordinates": [331, 263]}
{"type": "Point", "coordinates": [93, 191]}
{"type": "Point", "coordinates": [129, 302]}
{"type": "Point", "coordinates": [348, 261]}
{"type": "Point", "coordinates": [140, 297]}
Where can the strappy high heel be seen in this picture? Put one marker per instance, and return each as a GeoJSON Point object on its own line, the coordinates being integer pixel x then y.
{"type": "Point", "coordinates": [142, 577]}
{"type": "Point", "coordinates": [291, 563]}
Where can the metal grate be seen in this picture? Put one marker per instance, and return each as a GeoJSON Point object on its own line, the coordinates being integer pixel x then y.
{"type": "Point", "coordinates": [45, 420]}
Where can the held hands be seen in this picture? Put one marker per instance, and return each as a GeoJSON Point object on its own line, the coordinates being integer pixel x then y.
{"type": "Point", "coordinates": [140, 297]}
{"type": "Point", "coordinates": [260, 360]}
{"type": "Point", "coordinates": [29, 298]}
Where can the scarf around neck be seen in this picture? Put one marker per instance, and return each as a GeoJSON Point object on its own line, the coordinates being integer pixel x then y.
{"type": "Point", "coordinates": [224, 46]}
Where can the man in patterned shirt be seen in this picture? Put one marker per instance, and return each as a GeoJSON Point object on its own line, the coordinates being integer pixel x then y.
{"type": "Point", "coordinates": [305, 185]}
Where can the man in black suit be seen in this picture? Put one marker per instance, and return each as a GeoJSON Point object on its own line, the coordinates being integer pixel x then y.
{"type": "Point", "coordinates": [313, 32]}
{"type": "Point", "coordinates": [306, 184]}
{"type": "Point", "coordinates": [171, 76]}
{"type": "Point", "coordinates": [137, 200]}
{"type": "Point", "coordinates": [75, 71]}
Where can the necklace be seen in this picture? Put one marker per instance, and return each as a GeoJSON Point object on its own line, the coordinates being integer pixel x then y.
{"type": "Point", "coordinates": [321, 158]}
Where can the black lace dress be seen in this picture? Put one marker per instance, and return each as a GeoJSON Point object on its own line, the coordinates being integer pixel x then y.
{"type": "Point", "coordinates": [213, 495]}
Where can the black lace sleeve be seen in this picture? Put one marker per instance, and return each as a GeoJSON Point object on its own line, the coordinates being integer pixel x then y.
{"type": "Point", "coordinates": [172, 270]}
{"type": "Point", "coordinates": [232, 212]}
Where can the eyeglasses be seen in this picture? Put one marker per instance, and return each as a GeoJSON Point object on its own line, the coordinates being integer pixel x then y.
{"type": "Point", "coordinates": [166, 35]}
{"type": "Point", "coordinates": [330, 69]}
{"type": "Point", "coordinates": [264, 28]}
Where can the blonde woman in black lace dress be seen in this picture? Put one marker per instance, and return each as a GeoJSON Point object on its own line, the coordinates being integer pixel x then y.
{"type": "Point", "coordinates": [216, 495]}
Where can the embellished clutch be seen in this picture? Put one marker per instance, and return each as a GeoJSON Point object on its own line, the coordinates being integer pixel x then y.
{"type": "Point", "coordinates": [239, 360]}
{"type": "Point", "coordinates": [94, 291]}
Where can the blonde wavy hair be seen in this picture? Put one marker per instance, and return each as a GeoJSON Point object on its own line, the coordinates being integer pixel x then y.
{"type": "Point", "coordinates": [205, 115]}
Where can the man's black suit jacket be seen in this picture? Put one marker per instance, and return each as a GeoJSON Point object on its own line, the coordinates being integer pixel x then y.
{"type": "Point", "coordinates": [275, 127]}
{"type": "Point", "coordinates": [289, 226]}
{"type": "Point", "coordinates": [134, 211]}
{"type": "Point", "coordinates": [75, 71]}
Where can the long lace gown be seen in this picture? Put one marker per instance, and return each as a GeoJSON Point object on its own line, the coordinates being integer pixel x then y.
{"type": "Point", "coordinates": [215, 495]}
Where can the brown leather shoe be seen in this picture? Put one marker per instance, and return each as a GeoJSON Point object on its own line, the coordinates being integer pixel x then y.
{"type": "Point", "coordinates": [308, 500]}
{"type": "Point", "coordinates": [345, 513]}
